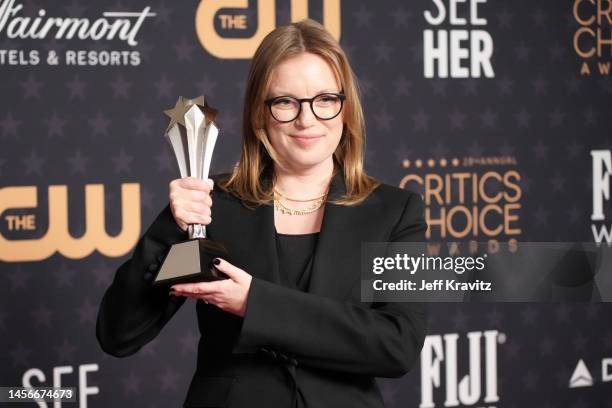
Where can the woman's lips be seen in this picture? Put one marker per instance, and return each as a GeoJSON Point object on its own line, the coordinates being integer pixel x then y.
{"type": "Point", "coordinates": [306, 139]}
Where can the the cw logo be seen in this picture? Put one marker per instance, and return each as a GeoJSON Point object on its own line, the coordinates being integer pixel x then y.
{"type": "Point", "coordinates": [234, 48]}
{"type": "Point", "coordinates": [58, 237]}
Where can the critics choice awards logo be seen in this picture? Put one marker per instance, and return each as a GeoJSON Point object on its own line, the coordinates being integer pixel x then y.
{"type": "Point", "coordinates": [593, 39]}
{"type": "Point", "coordinates": [469, 198]}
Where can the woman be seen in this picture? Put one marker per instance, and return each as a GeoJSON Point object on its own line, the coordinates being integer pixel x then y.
{"type": "Point", "coordinates": [288, 327]}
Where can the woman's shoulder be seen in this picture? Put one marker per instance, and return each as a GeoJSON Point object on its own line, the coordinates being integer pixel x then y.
{"type": "Point", "coordinates": [220, 191]}
{"type": "Point", "coordinates": [219, 181]}
{"type": "Point", "coordinates": [390, 194]}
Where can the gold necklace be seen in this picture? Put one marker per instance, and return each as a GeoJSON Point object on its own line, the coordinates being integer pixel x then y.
{"type": "Point", "coordinates": [279, 206]}
{"type": "Point", "coordinates": [276, 192]}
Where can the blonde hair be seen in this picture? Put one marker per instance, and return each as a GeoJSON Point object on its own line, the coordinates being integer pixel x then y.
{"type": "Point", "coordinates": [258, 156]}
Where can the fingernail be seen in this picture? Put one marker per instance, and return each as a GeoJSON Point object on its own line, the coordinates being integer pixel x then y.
{"type": "Point", "coordinates": [216, 261]}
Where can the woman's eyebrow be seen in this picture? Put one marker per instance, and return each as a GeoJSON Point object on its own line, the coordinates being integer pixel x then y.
{"type": "Point", "coordinates": [277, 93]}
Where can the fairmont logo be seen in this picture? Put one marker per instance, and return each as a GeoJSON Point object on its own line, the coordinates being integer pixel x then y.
{"type": "Point", "coordinates": [121, 25]}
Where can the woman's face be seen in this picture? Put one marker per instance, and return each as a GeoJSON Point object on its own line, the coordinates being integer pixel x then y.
{"type": "Point", "coordinates": [306, 141]}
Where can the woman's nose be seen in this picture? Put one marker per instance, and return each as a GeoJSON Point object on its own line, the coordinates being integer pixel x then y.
{"type": "Point", "coordinates": [306, 118]}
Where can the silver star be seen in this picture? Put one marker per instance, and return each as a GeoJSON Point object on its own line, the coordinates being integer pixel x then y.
{"type": "Point", "coordinates": [506, 86]}
{"type": "Point", "coordinates": [75, 9]}
{"type": "Point", "coordinates": [401, 17]}
{"type": "Point", "coordinates": [33, 163]}
{"type": "Point", "coordinates": [31, 87]}
{"type": "Point", "coordinates": [18, 279]}
{"type": "Point", "coordinates": [132, 383]}
{"type": "Point", "coordinates": [206, 86]}
{"type": "Point", "coordinates": [556, 118]}
{"type": "Point", "coordinates": [457, 119]}
{"type": "Point", "coordinates": [55, 125]}
{"type": "Point", "coordinates": [439, 86]}
{"type": "Point", "coordinates": [99, 125]}
{"type": "Point", "coordinates": [558, 183]}
{"type": "Point", "coordinates": [522, 52]}
{"type": "Point", "coordinates": [523, 117]}
{"type": "Point", "coordinates": [162, 13]}
{"type": "Point", "coordinates": [102, 274]}
{"type": "Point", "coordinates": [165, 161]}
{"type": "Point", "coordinates": [87, 312]}
{"type": "Point", "coordinates": [540, 150]}
{"type": "Point", "coordinates": [20, 355]}
{"type": "Point", "coordinates": [65, 351]}
{"type": "Point", "coordinates": [420, 120]}
{"type": "Point", "coordinates": [165, 88]}
{"type": "Point", "coordinates": [146, 197]}
{"type": "Point", "coordinates": [505, 18]}
{"type": "Point", "coordinates": [488, 118]}
{"type": "Point", "coordinates": [121, 87]}
{"type": "Point", "coordinates": [363, 16]}
{"type": "Point", "coordinates": [77, 88]}
{"type": "Point", "coordinates": [383, 52]}
{"type": "Point", "coordinates": [143, 124]}
{"type": "Point", "coordinates": [402, 86]}
{"type": "Point", "coordinates": [475, 149]}
{"type": "Point", "coordinates": [64, 276]}
{"type": "Point", "coordinates": [42, 315]}
{"type": "Point", "coordinates": [184, 50]}
{"type": "Point", "coordinates": [9, 125]}
{"type": "Point", "coordinates": [383, 120]}
{"type": "Point", "coordinates": [78, 163]}
{"type": "Point", "coordinates": [122, 162]}
{"type": "Point", "coordinates": [540, 86]}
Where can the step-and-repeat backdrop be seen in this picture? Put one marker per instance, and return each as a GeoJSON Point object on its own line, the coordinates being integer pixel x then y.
{"type": "Point", "coordinates": [497, 111]}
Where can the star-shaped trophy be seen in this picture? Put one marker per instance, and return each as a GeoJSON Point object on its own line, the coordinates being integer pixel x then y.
{"type": "Point", "coordinates": [192, 134]}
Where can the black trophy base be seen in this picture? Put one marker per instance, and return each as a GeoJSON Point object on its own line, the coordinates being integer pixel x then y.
{"type": "Point", "coordinates": [191, 261]}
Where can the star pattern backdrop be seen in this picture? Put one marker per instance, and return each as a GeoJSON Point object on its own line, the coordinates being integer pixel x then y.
{"type": "Point", "coordinates": [92, 124]}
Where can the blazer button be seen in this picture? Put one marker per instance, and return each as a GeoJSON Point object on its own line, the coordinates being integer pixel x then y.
{"type": "Point", "coordinates": [152, 267]}
{"type": "Point", "coordinates": [148, 276]}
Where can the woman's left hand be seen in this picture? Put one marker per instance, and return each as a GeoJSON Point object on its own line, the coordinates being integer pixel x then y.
{"type": "Point", "coordinates": [229, 295]}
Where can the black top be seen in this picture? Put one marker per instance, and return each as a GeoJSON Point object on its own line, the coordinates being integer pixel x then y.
{"type": "Point", "coordinates": [295, 258]}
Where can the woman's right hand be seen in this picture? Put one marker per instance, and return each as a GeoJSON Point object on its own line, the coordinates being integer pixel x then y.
{"type": "Point", "coordinates": [190, 201]}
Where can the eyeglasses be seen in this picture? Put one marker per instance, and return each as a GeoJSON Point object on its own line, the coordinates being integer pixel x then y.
{"type": "Point", "coordinates": [324, 106]}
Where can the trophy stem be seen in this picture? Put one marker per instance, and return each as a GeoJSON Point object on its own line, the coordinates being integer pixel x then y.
{"type": "Point", "coordinates": [196, 231]}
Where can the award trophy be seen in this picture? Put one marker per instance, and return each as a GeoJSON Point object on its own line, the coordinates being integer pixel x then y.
{"type": "Point", "coordinates": [192, 134]}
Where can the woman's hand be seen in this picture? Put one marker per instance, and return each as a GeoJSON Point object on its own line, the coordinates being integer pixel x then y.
{"type": "Point", "coordinates": [229, 295]}
{"type": "Point", "coordinates": [190, 201]}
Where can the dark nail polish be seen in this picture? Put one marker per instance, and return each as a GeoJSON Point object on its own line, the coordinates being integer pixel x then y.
{"type": "Point", "coordinates": [216, 261]}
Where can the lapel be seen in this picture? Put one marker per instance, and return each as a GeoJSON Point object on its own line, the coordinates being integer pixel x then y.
{"type": "Point", "coordinates": [334, 256]}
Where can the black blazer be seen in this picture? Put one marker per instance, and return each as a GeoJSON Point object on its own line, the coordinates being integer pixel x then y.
{"type": "Point", "coordinates": [319, 348]}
